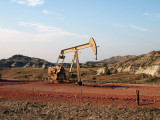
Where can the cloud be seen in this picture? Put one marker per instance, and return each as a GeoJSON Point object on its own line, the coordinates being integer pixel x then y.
{"type": "Point", "coordinates": [49, 29]}
{"type": "Point", "coordinates": [44, 33]}
{"type": "Point", "coordinates": [8, 35]}
{"type": "Point", "coordinates": [58, 15]}
{"type": "Point", "coordinates": [45, 12]}
{"type": "Point", "coordinates": [146, 14]}
{"type": "Point", "coordinates": [138, 28]}
{"type": "Point", "coordinates": [130, 26]}
{"type": "Point", "coordinates": [29, 2]}
{"type": "Point", "coordinates": [39, 27]}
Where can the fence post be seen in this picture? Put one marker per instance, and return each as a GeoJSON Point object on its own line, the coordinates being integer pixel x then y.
{"type": "Point", "coordinates": [137, 97]}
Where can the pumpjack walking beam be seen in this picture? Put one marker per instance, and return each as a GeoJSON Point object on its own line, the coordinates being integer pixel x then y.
{"type": "Point", "coordinates": [75, 49]}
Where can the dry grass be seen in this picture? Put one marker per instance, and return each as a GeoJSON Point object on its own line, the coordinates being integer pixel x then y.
{"type": "Point", "coordinates": [88, 74]}
{"type": "Point", "coordinates": [122, 78]}
{"type": "Point", "coordinates": [22, 73]}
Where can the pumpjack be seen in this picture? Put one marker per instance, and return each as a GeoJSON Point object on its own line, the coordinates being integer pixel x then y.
{"type": "Point", "coordinates": [57, 74]}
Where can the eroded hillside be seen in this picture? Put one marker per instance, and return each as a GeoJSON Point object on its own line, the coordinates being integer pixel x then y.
{"type": "Point", "coordinates": [147, 63]}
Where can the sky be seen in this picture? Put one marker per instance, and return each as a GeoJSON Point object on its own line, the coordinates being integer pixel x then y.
{"type": "Point", "coordinates": [42, 28]}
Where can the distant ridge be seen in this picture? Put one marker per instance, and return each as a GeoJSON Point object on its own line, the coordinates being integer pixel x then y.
{"type": "Point", "coordinates": [112, 60]}
{"type": "Point", "coordinates": [24, 61]}
{"type": "Point", "coordinates": [116, 59]}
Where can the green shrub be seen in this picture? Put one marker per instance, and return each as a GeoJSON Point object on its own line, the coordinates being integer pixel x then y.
{"type": "Point", "coordinates": [94, 78]}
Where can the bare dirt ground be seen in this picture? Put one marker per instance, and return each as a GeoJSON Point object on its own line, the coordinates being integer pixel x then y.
{"type": "Point", "coordinates": [39, 100]}
{"type": "Point", "coordinates": [118, 94]}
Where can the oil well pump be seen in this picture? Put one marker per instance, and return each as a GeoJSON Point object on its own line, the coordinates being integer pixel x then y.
{"type": "Point", "coordinates": [57, 73]}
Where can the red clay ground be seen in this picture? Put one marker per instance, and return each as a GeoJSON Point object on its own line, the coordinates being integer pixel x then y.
{"type": "Point", "coordinates": [118, 94]}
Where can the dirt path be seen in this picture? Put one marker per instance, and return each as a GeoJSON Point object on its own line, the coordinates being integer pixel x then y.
{"type": "Point", "coordinates": [117, 94]}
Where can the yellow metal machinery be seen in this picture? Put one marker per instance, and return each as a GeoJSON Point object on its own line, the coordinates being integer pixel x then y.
{"type": "Point", "coordinates": [57, 73]}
